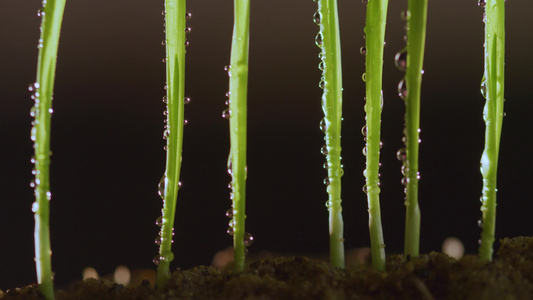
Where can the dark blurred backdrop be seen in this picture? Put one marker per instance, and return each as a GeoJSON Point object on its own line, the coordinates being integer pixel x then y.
{"type": "Point", "coordinates": [108, 149]}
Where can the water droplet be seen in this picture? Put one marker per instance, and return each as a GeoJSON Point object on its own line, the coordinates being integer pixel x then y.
{"type": "Point", "coordinates": [248, 239]}
{"type": "Point", "coordinates": [186, 100]}
{"type": "Point", "coordinates": [159, 221]}
{"type": "Point", "coordinates": [166, 133]}
{"type": "Point", "coordinates": [164, 60]}
{"type": "Point", "coordinates": [326, 181]}
{"type": "Point", "coordinates": [318, 40]}
{"type": "Point", "coordinates": [400, 60]}
{"type": "Point", "coordinates": [163, 43]}
{"type": "Point", "coordinates": [40, 13]}
{"type": "Point", "coordinates": [227, 68]}
{"type": "Point", "coordinates": [322, 65]}
{"type": "Point", "coordinates": [188, 29]}
{"type": "Point", "coordinates": [185, 122]}
{"type": "Point", "coordinates": [364, 130]}
{"type": "Point", "coordinates": [483, 88]}
{"type": "Point", "coordinates": [404, 170]}
{"type": "Point", "coordinates": [325, 166]}
{"type": "Point", "coordinates": [157, 259]}
{"type": "Point", "coordinates": [229, 213]}
{"type": "Point", "coordinates": [365, 189]}
{"type": "Point", "coordinates": [363, 77]}
{"type": "Point", "coordinates": [187, 44]}
{"type": "Point", "coordinates": [230, 231]}
{"type": "Point", "coordinates": [362, 50]}
{"type": "Point", "coordinates": [32, 184]}
{"type": "Point", "coordinates": [164, 12]}
{"type": "Point", "coordinates": [33, 86]}
{"type": "Point", "coordinates": [316, 17]}
{"type": "Point", "coordinates": [35, 207]}
{"type": "Point", "coordinates": [323, 126]}
{"type": "Point", "coordinates": [365, 151]}
{"type": "Point", "coordinates": [322, 83]}
{"type": "Point", "coordinates": [324, 150]}
{"type": "Point", "coordinates": [226, 114]}
{"type": "Point", "coordinates": [481, 3]}
{"type": "Point", "coordinates": [161, 187]}
{"type": "Point", "coordinates": [401, 154]}
{"type": "Point", "coordinates": [157, 240]}
{"type": "Point", "coordinates": [51, 110]}
{"type": "Point", "coordinates": [365, 1]}
{"type": "Point", "coordinates": [188, 16]}
{"type": "Point", "coordinates": [405, 15]}
{"type": "Point", "coordinates": [480, 223]}
{"type": "Point", "coordinates": [48, 196]}
{"type": "Point", "coordinates": [402, 89]}
{"type": "Point", "coordinates": [405, 181]}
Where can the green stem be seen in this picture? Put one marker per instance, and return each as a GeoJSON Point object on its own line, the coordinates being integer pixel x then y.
{"type": "Point", "coordinates": [175, 14]}
{"type": "Point", "coordinates": [328, 39]}
{"type": "Point", "coordinates": [416, 36]}
{"type": "Point", "coordinates": [52, 15]}
{"type": "Point", "coordinates": [493, 90]}
{"type": "Point", "coordinates": [238, 87]}
{"type": "Point", "coordinates": [376, 18]}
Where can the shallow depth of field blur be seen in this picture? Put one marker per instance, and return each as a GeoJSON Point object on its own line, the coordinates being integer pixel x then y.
{"type": "Point", "coordinates": [107, 131]}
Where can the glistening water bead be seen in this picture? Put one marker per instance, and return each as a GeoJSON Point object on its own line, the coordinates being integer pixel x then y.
{"type": "Point", "coordinates": [316, 18]}
{"type": "Point", "coordinates": [402, 89]}
{"type": "Point", "coordinates": [400, 60]}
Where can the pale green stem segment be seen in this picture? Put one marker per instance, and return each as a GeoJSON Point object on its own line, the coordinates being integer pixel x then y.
{"type": "Point", "coordinates": [52, 16]}
{"type": "Point", "coordinates": [175, 15]}
{"type": "Point", "coordinates": [416, 36]}
{"type": "Point", "coordinates": [376, 17]}
{"type": "Point", "coordinates": [492, 89]}
{"type": "Point", "coordinates": [238, 87]}
{"type": "Point", "coordinates": [328, 39]}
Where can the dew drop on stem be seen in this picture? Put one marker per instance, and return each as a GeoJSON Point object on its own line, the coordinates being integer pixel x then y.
{"type": "Point", "coordinates": [483, 88]}
{"type": "Point", "coordinates": [316, 18]}
{"type": "Point", "coordinates": [364, 1]}
{"type": "Point", "coordinates": [226, 114]}
{"type": "Point", "coordinates": [248, 239]}
{"type": "Point", "coordinates": [161, 187]}
{"type": "Point", "coordinates": [229, 213]}
{"type": "Point", "coordinates": [186, 100]}
{"type": "Point", "coordinates": [401, 155]}
{"type": "Point", "coordinates": [400, 60]}
{"type": "Point", "coordinates": [324, 150]}
{"type": "Point", "coordinates": [188, 29]}
{"type": "Point", "coordinates": [362, 50]}
{"type": "Point", "coordinates": [323, 126]}
{"type": "Point", "coordinates": [318, 40]}
{"type": "Point", "coordinates": [188, 16]}
{"type": "Point", "coordinates": [159, 222]}
{"type": "Point", "coordinates": [402, 90]}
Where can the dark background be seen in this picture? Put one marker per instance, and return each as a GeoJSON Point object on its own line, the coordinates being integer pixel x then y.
{"type": "Point", "coordinates": [108, 124]}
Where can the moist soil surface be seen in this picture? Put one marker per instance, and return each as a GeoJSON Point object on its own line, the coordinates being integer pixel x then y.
{"type": "Point", "coordinates": [429, 276]}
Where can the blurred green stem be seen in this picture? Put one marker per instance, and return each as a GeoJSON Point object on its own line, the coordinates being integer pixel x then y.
{"type": "Point", "coordinates": [416, 36]}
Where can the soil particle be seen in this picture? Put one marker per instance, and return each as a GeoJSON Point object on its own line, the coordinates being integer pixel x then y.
{"type": "Point", "coordinates": [427, 277]}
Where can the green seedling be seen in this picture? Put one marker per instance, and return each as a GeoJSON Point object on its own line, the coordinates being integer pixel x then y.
{"type": "Point", "coordinates": [175, 29]}
{"type": "Point", "coordinates": [237, 115]}
{"type": "Point", "coordinates": [328, 40]}
{"type": "Point", "coordinates": [43, 90]}
{"type": "Point", "coordinates": [376, 17]}
{"type": "Point", "coordinates": [411, 61]}
{"type": "Point", "coordinates": [492, 88]}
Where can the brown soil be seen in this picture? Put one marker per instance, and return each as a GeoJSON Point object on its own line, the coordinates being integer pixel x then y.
{"type": "Point", "coordinates": [431, 276]}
